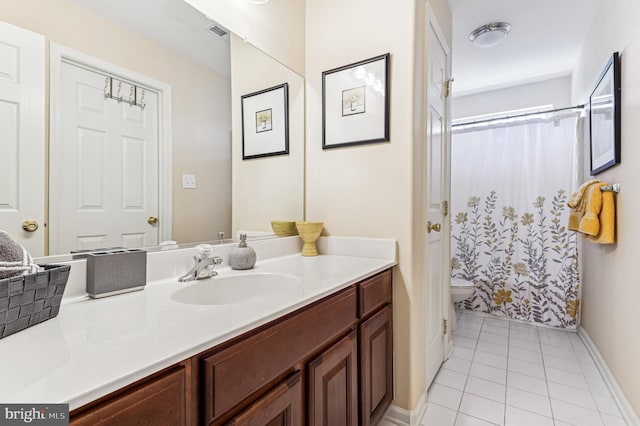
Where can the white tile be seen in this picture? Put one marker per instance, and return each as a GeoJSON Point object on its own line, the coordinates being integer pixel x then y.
{"type": "Point", "coordinates": [464, 420]}
{"type": "Point", "coordinates": [493, 338]}
{"type": "Point", "coordinates": [527, 383]}
{"type": "Point", "coordinates": [437, 415]}
{"type": "Point", "coordinates": [486, 389]}
{"type": "Point", "coordinates": [493, 374]}
{"type": "Point", "coordinates": [606, 404]}
{"type": "Point", "coordinates": [515, 325]}
{"type": "Point", "coordinates": [531, 336]}
{"type": "Point", "coordinates": [597, 385]}
{"type": "Point", "coordinates": [571, 395]}
{"type": "Point", "coordinates": [559, 423]}
{"type": "Point", "coordinates": [453, 379]}
{"type": "Point", "coordinates": [493, 360]}
{"type": "Point", "coordinates": [562, 364]}
{"type": "Point", "coordinates": [465, 342]}
{"type": "Point", "coordinates": [457, 364]}
{"type": "Point", "coordinates": [610, 420]}
{"type": "Point", "coordinates": [575, 415]}
{"type": "Point", "coordinates": [462, 353]}
{"type": "Point", "coordinates": [495, 329]}
{"type": "Point", "coordinates": [467, 332]}
{"type": "Point", "coordinates": [495, 322]}
{"type": "Point", "coordinates": [566, 378]}
{"type": "Point", "coordinates": [482, 408]}
{"type": "Point", "coordinates": [528, 345]}
{"type": "Point", "coordinates": [444, 396]}
{"type": "Point", "coordinates": [493, 348]}
{"type": "Point", "coordinates": [525, 355]}
{"type": "Point", "coordinates": [559, 351]}
{"type": "Point", "coordinates": [529, 401]}
{"type": "Point", "coordinates": [557, 338]}
{"type": "Point", "coordinates": [526, 368]}
{"type": "Point", "coordinates": [518, 417]}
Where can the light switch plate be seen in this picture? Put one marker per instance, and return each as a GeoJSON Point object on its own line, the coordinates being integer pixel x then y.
{"type": "Point", "coordinates": [189, 181]}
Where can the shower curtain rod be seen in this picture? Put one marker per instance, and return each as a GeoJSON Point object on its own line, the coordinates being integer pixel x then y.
{"type": "Point", "coordinates": [507, 117]}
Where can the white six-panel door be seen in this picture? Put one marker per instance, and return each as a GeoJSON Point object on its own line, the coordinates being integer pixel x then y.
{"type": "Point", "coordinates": [437, 246]}
{"type": "Point", "coordinates": [104, 171]}
{"type": "Point", "coordinates": [22, 135]}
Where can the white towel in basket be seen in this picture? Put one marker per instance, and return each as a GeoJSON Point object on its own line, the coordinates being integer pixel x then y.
{"type": "Point", "coordinates": [14, 259]}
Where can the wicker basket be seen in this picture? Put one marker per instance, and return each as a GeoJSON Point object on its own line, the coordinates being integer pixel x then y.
{"type": "Point", "coordinates": [30, 299]}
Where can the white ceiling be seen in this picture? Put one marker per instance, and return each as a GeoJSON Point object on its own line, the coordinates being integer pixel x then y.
{"type": "Point", "coordinates": [172, 23]}
{"type": "Point", "coordinates": [544, 42]}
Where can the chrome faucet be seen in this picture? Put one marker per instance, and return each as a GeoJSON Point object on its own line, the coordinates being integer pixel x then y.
{"type": "Point", "coordinates": [205, 261]}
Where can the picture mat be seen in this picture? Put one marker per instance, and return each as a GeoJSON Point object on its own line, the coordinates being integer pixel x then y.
{"type": "Point", "coordinates": [357, 127]}
{"type": "Point", "coordinates": [265, 142]}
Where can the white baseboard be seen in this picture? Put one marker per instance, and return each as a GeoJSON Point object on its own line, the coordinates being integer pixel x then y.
{"type": "Point", "coordinates": [621, 401]}
{"type": "Point", "coordinates": [401, 417]}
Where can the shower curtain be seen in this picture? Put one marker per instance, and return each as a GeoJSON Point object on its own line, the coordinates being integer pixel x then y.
{"type": "Point", "coordinates": [510, 185]}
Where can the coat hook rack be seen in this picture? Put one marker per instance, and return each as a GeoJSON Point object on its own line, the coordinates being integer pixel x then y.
{"type": "Point", "coordinates": [133, 96]}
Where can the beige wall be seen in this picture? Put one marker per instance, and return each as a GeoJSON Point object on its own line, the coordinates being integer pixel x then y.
{"type": "Point", "coordinates": [269, 188]}
{"type": "Point", "coordinates": [201, 105]}
{"type": "Point", "coordinates": [610, 291]}
{"type": "Point", "coordinates": [368, 190]}
{"type": "Point", "coordinates": [277, 27]}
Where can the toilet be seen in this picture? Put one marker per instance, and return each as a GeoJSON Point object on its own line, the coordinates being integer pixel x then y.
{"type": "Point", "coordinates": [460, 290]}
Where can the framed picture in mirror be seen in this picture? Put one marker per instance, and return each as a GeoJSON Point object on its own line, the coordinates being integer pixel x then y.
{"type": "Point", "coordinates": [265, 122]}
{"type": "Point", "coordinates": [605, 118]}
{"type": "Point", "coordinates": [355, 103]}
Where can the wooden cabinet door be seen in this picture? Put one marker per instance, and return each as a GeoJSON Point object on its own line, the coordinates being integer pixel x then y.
{"type": "Point", "coordinates": [282, 406]}
{"type": "Point", "coordinates": [160, 401]}
{"type": "Point", "coordinates": [376, 364]}
{"type": "Point", "coordinates": [333, 385]}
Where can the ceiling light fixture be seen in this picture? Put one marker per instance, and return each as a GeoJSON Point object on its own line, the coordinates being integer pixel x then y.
{"type": "Point", "coordinates": [490, 34]}
{"type": "Point", "coordinates": [258, 1]}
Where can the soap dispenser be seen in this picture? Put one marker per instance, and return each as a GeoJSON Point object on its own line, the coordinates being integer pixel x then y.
{"type": "Point", "coordinates": [243, 256]}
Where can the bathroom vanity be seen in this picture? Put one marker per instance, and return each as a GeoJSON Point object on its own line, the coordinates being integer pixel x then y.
{"type": "Point", "coordinates": [316, 353]}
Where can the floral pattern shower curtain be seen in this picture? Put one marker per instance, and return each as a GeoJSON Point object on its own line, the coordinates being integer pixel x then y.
{"type": "Point", "coordinates": [510, 185]}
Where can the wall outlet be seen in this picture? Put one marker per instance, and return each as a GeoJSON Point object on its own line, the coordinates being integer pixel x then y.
{"type": "Point", "coordinates": [189, 181]}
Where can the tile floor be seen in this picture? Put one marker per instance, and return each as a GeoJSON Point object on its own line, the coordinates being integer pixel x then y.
{"type": "Point", "coordinates": [513, 374]}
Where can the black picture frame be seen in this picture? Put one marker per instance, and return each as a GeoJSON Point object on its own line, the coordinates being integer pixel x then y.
{"type": "Point", "coordinates": [605, 122]}
{"type": "Point", "coordinates": [355, 103]}
{"type": "Point", "coordinates": [265, 122]}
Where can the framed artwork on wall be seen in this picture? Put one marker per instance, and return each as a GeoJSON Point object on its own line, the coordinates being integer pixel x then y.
{"type": "Point", "coordinates": [355, 103]}
{"type": "Point", "coordinates": [265, 122]}
{"type": "Point", "coordinates": [605, 118]}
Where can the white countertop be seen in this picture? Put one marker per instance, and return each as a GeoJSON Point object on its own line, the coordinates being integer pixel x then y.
{"type": "Point", "coordinates": [94, 347]}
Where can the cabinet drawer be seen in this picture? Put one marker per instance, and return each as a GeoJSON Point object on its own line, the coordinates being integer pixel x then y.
{"type": "Point", "coordinates": [158, 401]}
{"type": "Point", "coordinates": [374, 293]}
{"type": "Point", "coordinates": [233, 374]}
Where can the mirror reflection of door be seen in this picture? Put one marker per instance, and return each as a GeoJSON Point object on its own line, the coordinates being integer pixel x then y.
{"type": "Point", "coordinates": [22, 93]}
{"type": "Point", "coordinates": [106, 173]}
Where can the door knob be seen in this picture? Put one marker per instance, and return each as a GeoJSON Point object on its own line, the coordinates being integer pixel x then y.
{"type": "Point", "coordinates": [30, 225]}
{"type": "Point", "coordinates": [152, 220]}
{"type": "Point", "coordinates": [433, 227]}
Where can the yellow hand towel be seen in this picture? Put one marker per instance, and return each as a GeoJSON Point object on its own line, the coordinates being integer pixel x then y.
{"type": "Point", "coordinates": [578, 204]}
{"type": "Point", "coordinates": [590, 224]}
{"type": "Point", "coordinates": [607, 234]}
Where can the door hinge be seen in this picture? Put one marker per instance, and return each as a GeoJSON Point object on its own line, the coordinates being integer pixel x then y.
{"type": "Point", "coordinates": [447, 88]}
{"type": "Point", "coordinates": [445, 208]}
{"type": "Point", "coordinates": [444, 326]}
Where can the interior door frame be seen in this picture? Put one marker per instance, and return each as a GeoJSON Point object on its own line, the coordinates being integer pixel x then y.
{"type": "Point", "coordinates": [432, 22]}
{"type": "Point", "coordinates": [59, 54]}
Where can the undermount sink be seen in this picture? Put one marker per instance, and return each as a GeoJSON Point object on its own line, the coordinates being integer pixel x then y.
{"type": "Point", "coordinates": [233, 289]}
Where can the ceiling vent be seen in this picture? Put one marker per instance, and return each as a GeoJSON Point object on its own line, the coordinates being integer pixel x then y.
{"type": "Point", "coordinates": [218, 30]}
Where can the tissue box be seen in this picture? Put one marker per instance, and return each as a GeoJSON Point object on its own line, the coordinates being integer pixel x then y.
{"type": "Point", "coordinates": [114, 272]}
{"type": "Point", "coordinates": [31, 299]}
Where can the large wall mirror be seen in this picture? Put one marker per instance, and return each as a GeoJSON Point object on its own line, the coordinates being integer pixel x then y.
{"type": "Point", "coordinates": [134, 92]}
